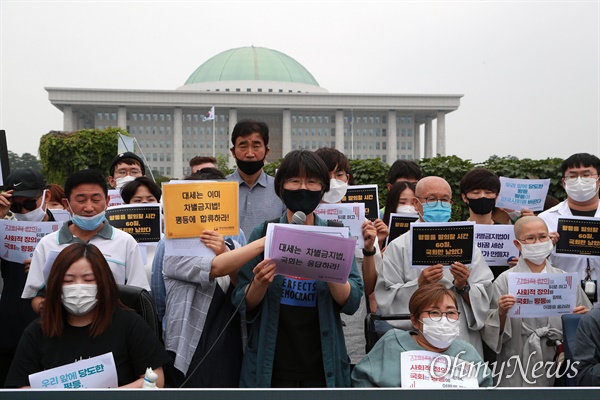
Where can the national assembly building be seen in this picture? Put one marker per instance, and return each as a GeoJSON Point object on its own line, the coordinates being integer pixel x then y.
{"type": "Point", "coordinates": [172, 126]}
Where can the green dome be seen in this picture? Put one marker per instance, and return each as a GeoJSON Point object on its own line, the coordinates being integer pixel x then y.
{"type": "Point", "coordinates": [252, 64]}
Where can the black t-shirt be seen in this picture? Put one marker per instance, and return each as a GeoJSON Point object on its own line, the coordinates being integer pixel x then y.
{"type": "Point", "coordinates": [578, 213]}
{"type": "Point", "coordinates": [133, 344]}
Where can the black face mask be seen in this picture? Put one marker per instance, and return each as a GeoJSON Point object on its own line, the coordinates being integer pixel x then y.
{"type": "Point", "coordinates": [301, 200]}
{"type": "Point", "coordinates": [482, 205]}
{"type": "Point", "coordinates": [250, 167]}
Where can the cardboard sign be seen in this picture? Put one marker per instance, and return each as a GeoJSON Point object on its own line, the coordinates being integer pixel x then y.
{"type": "Point", "coordinates": [496, 243]}
{"type": "Point", "coordinates": [441, 243]}
{"type": "Point", "coordinates": [18, 238]}
{"type": "Point", "coordinates": [193, 207]}
{"type": "Point", "coordinates": [350, 215]}
{"type": "Point", "coordinates": [309, 253]}
{"type": "Point", "coordinates": [142, 221]}
{"type": "Point", "coordinates": [517, 194]}
{"type": "Point", "coordinates": [399, 224]}
{"type": "Point", "coordinates": [542, 295]}
{"type": "Point", "coordinates": [92, 373]}
{"type": "Point", "coordinates": [366, 194]}
{"type": "Point", "coordinates": [579, 236]}
{"type": "Point", "coordinates": [422, 369]}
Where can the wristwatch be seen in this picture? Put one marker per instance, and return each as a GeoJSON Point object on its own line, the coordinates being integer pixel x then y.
{"type": "Point", "coordinates": [464, 290]}
{"type": "Point", "coordinates": [369, 253]}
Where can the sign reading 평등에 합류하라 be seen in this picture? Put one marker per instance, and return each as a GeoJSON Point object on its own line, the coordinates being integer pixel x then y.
{"type": "Point", "coordinates": [193, 207]}
{"type": "Point", "coordinates": [142, 221]}
{"type": "Point", "coordinates": [578, 236]}
{"type": "Point", "coordinates": [367, 194]}
{"type": "Point", "coordinates": [441, 243]}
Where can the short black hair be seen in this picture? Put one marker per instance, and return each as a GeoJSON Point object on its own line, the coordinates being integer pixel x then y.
{"type": "Point", "coordinates": [480, 178]}
{"type": "Point", "coordinates": [301, 163]}
{"type": "Point", "coordinates": [404, 169]}
{"type": "Point", "coordinates": [128, 191]}
{"type": "Point", "coordinates": [332, 158]}
{"type": "Point", "coordinates": [205, 174]}
{"type": "Point", "coordinates": [247, 127]}
{"type": "Point", "coordinates": [89, 176]}
{"type": "Point", "coordinates": [128, 158]}
{"type": "Point", "coordinates": [580, 160]}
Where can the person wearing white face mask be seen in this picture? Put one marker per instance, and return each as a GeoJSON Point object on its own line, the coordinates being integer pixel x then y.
{"type": "Point", "coordinates": [435, 318]}
{"type": "Point", "coordinates": [124, 168]}
{"type": "Point", "coordinates": [24, 200]}
{"type": "Point", "coordinates": [86, 198]}
{"type": "Point", "coordinates": [84, 318]}
{"type": "Point", "coordinates": [526, 337]}
{"type": "Point", "coordinates": [581, 182]}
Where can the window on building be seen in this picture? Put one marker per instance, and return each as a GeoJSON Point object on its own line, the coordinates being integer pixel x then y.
{"type": "Point", "coordinates": [168, 144]}
{"type": "Point", "coordinates": [409, 120]}
{"type": "Point", "coordinates": [154, 157]}
{"type": "Point", "coordinates": [409, 130]}
{"type": "Point", "coordinates": [409, 145]}
{"type": "Point", "coordinates": [384, 145]}
{"type": "Point", "coordinates": [169, 117]}
{"type": "Point", "coordinates": [168, 130]}
{"type": "Point", "coordinates": [162, 157]}
{"type": "Point", "coordinates": [148, 117]}
{"type": "Point", "coordinates": [377, 145]}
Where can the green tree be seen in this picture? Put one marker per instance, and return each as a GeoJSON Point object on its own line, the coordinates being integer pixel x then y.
{"type": "Point", "coordinates": [223, 164]}
{"type": "Point", "coordinates": [63, 153]}
{"type": "Point", "coordinates": [27, 160]}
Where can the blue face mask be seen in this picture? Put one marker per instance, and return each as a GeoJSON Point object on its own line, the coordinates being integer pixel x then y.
{"type": "Point", "coordinates": [88, 223]}
{"type": "Point", "coordinates": [436, 213]}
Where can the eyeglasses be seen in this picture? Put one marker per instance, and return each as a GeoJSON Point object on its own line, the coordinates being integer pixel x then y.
{"type": "Point", "coordinates": [433, 202]}
{"type": "Point", "coordinates": [124, 172]}
{"type": "Point", "coordinates": [28, 205]}
{"type": "Point", "coordinates": [534, 239]}
{"type": "Point", "coordinates": [436, 315]}
{"type": "Point", "coordinates": [341, 176]}
{"type": "Point", "coordinates": [296, 183]}
{"type": "Point", "coordinates": [585, 176]}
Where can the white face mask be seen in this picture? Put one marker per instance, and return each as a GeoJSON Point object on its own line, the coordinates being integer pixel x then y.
{"type": "Point", "coordinates": [440, 333]}
{"type": "Point", "coordinates": [406, 209]}
{"type": "Point", "coordinates": [337, 190]}
{"type": "Point", "coordinates": [537, 252]}
{"type": "Point", "coordinates": [124, 181]}
{"type": "Point", "coordinates": [33, 216]}
{"type": "Point", "coordinates": [582, 189]}
{"type": "Point", "coordinates": [79, 299]}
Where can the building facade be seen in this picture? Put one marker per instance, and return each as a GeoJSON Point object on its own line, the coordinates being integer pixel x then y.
{"type": "Point", "coordinates": [265, 85]}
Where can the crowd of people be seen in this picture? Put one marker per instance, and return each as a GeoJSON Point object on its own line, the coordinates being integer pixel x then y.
{"type": "Point", "coordinates": [229, 320]}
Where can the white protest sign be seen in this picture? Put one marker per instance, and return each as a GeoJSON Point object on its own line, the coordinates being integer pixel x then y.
{"type": "Point", "coordinates": [350, 215]}
{"type": "Point", "coordinates": [542, 295]}
{"type": "Point", "coordinates": [93, 373]}
{"type": "Point", "coordinates": [115, 198]}
{"type": "Point", "coordinates": [496, 243]}
{"type": "Point", "coordinates": [18, 238]}
{"type": "Point", "coordinates": [517, 194]}
{"type": "Point", "coordinates": [422, 369]}
{"type": "Point", "coordinates": [61, 215]}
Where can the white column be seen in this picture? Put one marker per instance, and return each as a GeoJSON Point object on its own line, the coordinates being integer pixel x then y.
{"type": "Point", "coordinates": [441, 133]}
{"type": "Point", "coordinates": [417, 143]}
{"type": "Point", "coordinates": [392, 141]}
{"type": "Point", "coordinates": [68, 119]}
{"type": "Point", "coordinates": [286, 132]}
{"type": "Point", "coordinates": [122, 117]}
{"type": "Point", "coordinates": [339, 130]}
{"type": "Point", "coordinates": [177, 143]}
{"type": "Point", "coordinates": [428, 138]}
{"type": "Point", "coordinates": [233, 119]}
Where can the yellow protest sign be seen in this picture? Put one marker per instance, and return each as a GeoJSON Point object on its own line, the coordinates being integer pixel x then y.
{"type": "Point", "coordinates": [193, 207]}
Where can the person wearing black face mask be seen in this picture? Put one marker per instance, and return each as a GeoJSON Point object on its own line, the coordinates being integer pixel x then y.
{"type": "Point", "coordinates": [295, 322]}
{"type": "Point", "coordinates": [479, 189]}
{"type": "Point", "coordinates": [257, 199]}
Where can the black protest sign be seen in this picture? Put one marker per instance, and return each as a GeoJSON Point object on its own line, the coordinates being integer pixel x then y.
{"type": "Point", "coordinates": [367, 194]}
{"type": "Point", "coordinates": [4, 165]}
{"type": "Point", "coordinates": [442, 244]}
{"type": "Point", "coordinates": [140, 221]}
{"type": "Point", "coordinates": [399, 224]}
{"type": "Point", "coordinates": [579, 236]}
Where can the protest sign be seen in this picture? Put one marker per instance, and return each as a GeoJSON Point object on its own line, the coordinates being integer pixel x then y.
{"type": "Point", "coordinates": [4, 165]}
{"type": "Point", "coordinates": [193, 207]}
{"type": "Point", "coordinates": [517, 194]}
{"type": "Point", "coordinates": [18, 238]}
{"type": "Point", "coordinates": [114, 198]}
{"type": "Point", "coordinates": [142, 221]}
{"type": "Point", "coordinates": [399, 224]}
{"type": "Point", "coordinates": [309, 254]}
{"type": "Point", "coordinates": [496, 243]}
{"type": "Point", "coordinates": [350, 215]}
{"type": "Point", "coordinates": [61, 215]}
{"type": "Point", "coordinates": [542, 295]}
{"type": "Point", "coordinates": [579, 236]}
{"type": "Point", "coordinates": [429, 370]}
{"type": "Point", "coordinates": [91, 373]}
{"type": "Point", "coordinates": [441, 243]}
{"type": "Point", "coordinates": [366, 194]}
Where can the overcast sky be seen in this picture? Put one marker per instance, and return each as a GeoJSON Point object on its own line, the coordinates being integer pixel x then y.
{"type": "Point", "coordinates": [529, 70]}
